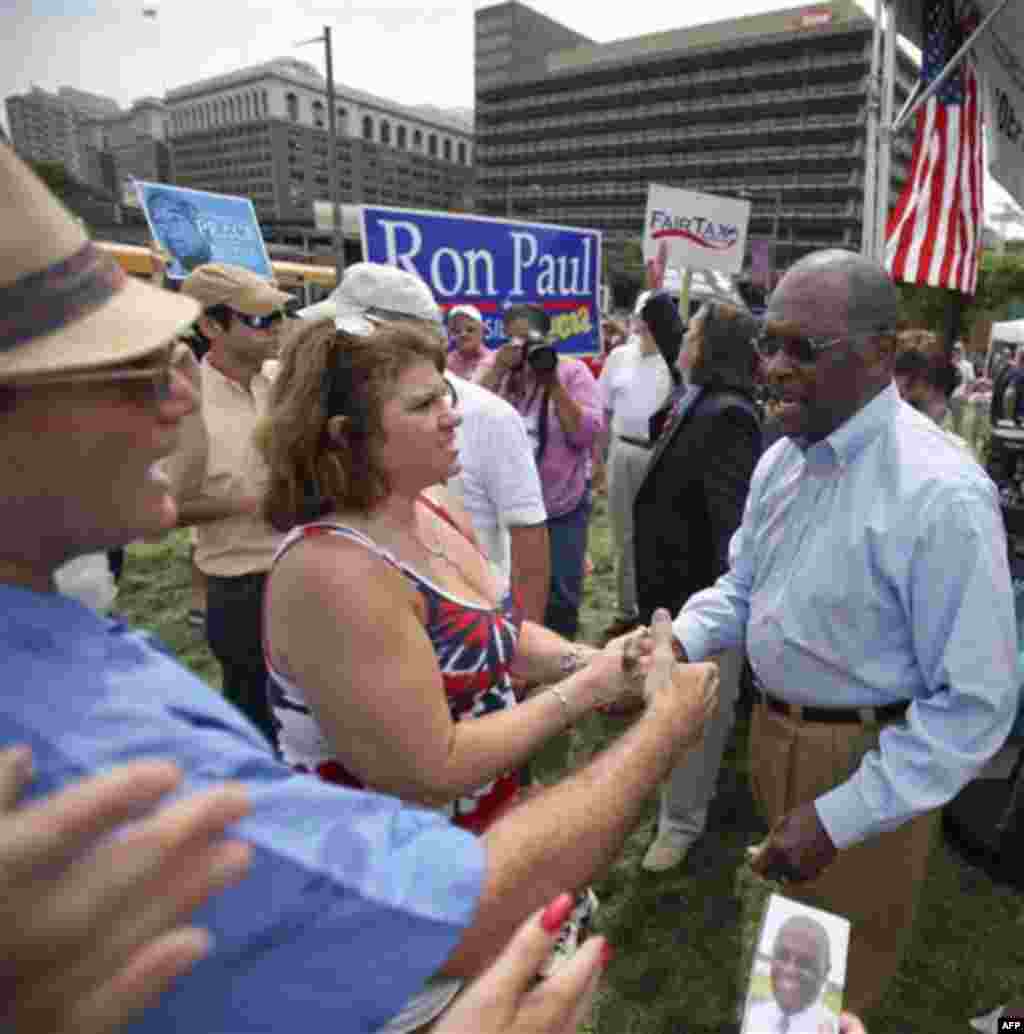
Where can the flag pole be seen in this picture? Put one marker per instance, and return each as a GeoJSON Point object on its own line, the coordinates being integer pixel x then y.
{"type": "Point", "coordinates": [867, 230]}
{"type": "Point", "coordinates": [951, 66]}
{"type": "Point", "coordinates": [885, 135]}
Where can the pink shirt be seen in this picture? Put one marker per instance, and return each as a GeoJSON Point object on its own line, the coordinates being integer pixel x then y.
{"type": "Point", "coordinates": [468, 367]}
{"type": "Point", "coordinates": [565, 467]}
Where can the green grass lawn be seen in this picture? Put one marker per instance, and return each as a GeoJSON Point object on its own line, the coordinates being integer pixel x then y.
{"type": "Point", "coordinates": [683, 939]}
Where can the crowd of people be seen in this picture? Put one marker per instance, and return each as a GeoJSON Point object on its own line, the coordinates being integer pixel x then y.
{"type": "Point", "coordinates": [395, 562]}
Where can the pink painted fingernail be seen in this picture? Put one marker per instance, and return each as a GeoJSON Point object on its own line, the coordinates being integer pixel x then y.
{"type": "Point", "coordinates": [556, 913]}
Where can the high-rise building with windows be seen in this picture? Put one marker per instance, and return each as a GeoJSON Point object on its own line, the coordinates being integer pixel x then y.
{"type": "Point", "coordinates": [127, 145]}
{"type": "Point", "coordinates": [773, 106]}
{"type": "Point", "coordinates": [44, 126]}
{"type": "Point", "coordinates": [97, 142]}
{"type": "Point", "coordinates": [262, 132]}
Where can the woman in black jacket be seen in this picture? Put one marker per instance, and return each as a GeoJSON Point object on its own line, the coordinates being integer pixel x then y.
{"type": "Point", "coordinates": [687, 508]}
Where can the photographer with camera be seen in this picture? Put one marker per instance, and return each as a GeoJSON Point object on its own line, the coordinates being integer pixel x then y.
{"type": "Point", "coordinates": [558, 399]}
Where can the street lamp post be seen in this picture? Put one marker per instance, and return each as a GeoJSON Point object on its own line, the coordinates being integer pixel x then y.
{"type": "Point", "coordinates": [332, 162]}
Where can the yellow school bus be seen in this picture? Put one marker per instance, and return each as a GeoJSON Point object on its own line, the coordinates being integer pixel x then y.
{"type": "Point", "coordinates": [308, 283]}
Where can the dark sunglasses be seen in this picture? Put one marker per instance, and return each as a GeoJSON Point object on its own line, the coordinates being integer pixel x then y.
{"type": "Point", "coordinates": [144, 383]}
{"type": "Point", "coordinates": [805, 350]}
{"type": "Point", "coordinates": [258, 322]}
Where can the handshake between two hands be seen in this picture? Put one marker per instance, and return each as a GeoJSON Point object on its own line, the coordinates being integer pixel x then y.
{"type": "Point", "coordinates": [798, 848]}
{"type": "Point", "coordinates": [684, 695]}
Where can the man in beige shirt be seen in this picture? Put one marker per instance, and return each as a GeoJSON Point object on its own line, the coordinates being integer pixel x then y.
{"type": "Point", "coordinates": [218, 478]}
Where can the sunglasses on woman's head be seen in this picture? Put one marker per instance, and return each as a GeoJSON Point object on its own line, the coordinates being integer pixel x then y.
{"type": "Point", "coordinates": [258, 322]}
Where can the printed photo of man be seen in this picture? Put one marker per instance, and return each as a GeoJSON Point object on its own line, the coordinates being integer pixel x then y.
{"type": "Point", "coordinates": [800, 963]}
{"type": "Point", "coordinates": [176, 227]}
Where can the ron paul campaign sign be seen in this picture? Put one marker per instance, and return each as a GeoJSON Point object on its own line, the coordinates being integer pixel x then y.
{"type": "Point", "coordinates": [195, 227]}
{"type": "Point", "coordinates": [494, 263]}
{"type": "Point", "coordinates": [698, 230]}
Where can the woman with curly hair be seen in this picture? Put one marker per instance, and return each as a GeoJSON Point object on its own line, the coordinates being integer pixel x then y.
{"type": "Point", "coordinates": [389, 643]}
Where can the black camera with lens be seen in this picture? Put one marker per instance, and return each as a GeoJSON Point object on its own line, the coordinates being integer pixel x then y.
{"type": "Point", "coordinates": [539, 353]}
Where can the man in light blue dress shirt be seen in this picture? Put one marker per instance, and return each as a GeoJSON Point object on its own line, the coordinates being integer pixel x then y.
{"type": "Point", "coordinates": [869, 583]}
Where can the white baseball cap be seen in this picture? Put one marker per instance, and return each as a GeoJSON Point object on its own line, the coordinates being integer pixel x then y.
{"type": "Point", "coordinates": [465, 310]}
{"type": "Point", "coordinates": [371, 293]}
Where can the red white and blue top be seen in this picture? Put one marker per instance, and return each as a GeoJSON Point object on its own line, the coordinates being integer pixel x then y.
{"type": "Point", "coordinates": [474, 647]}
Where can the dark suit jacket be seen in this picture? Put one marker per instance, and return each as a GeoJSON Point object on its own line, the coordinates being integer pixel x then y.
{"type": "Point", "coordinates": [691, 499]}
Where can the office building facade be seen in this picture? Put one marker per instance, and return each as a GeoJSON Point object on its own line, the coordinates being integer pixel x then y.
{"type": "Point", "coordinates": [97, 142]}
{"type": "Point", "coordinates": [44, 126]}
{"type": "Point", "coordinates": [125, 146]}
{"type": "Point", "coordinates": [262, 132]}
{"type": "Point", "coordinates": [772, 106]}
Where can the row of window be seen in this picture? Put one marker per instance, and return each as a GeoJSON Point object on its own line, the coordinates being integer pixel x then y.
{"type": "Point", "coordinates": [738, 101]}
{"type": "Point", "coordinates": [404, 140]}
{"type": "Point", "coordinates": [745, 74]}
{"type": "Point", "coordinates": [667, 135]}
{"type": "Point", "coordinates": [739, 104]}
{"type": "Point", "coordinates": [745, 157]}
{"type": "Point", "coordinates": [244, 106]}
{"type": "Point", "coordinates": [763, 190]}
{"type": "Point", "coordinates": [489, 44]}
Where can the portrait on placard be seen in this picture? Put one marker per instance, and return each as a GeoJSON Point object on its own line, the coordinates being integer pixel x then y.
{"type": "Point", "coordinates": [194, 227]}
{"type": "Point", "coordinates": [799, 971]}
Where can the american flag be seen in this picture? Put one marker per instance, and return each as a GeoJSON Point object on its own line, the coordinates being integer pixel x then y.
{"type": "Point", "coordinates": [934, 233]}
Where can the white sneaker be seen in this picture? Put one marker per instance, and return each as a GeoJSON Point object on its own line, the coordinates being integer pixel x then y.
{"type": "Point", "coordinates": [666, 852]}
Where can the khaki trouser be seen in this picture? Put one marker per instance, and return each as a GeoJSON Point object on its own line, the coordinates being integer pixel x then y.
{"type": "Point", "coordinates": [691, 785]}
{"type": "Point", "coordinates": [875, 884]}
{"type": "Point", "coordinates": [627, 465]}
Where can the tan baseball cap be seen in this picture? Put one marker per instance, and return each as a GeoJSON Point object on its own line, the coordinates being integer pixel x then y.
{"type": "Point", "coordinates": [65, 305]}
{"type": "Point", "coordinates": [217, 283]}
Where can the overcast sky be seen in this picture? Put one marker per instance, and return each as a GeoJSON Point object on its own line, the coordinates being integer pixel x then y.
{"type": "Point", "coordinates": [412, 51]}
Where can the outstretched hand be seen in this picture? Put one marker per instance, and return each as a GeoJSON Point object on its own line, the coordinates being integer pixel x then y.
{"type": "Point", "coordinates": [506, 998]}
{"type": "Point", "coordinates": [92, 918]}
{"type": "Point", "coordinates": [656, 267]}
{"type": "Point", "coordinates": [687, 694]}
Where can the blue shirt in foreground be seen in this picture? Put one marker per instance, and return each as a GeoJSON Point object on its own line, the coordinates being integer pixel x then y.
{"type": "Point", "coordinates": [353, 899]}
{"type": "Point", "coordinates": [871, 568]}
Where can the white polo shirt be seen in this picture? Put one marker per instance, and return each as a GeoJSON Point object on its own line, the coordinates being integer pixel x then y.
{"type": "Point", "coordinates": [633, 386]}
{"type": "Point", "coordinates": [498, 484]}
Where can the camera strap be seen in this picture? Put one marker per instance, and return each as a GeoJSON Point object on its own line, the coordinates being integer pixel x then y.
{"type": "Point", "coordinates": [542, 420]}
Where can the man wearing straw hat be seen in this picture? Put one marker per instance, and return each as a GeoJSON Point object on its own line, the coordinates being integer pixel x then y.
{"type": "Point", "coordinates": [353, 899]}
{"type": "Point", "coordinates": [217, 476]}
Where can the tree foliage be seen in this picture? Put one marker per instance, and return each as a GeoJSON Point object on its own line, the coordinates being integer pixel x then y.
{"type": "Point", "coordinates": [1000, 283]}
{"type": "Point", "coordinates": [56, 177]}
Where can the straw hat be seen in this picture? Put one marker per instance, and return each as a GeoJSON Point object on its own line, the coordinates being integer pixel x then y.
{"type": "Point", "coordinates": [241, 289]}
{"type": "Point", "coordinates": [64, 304]}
